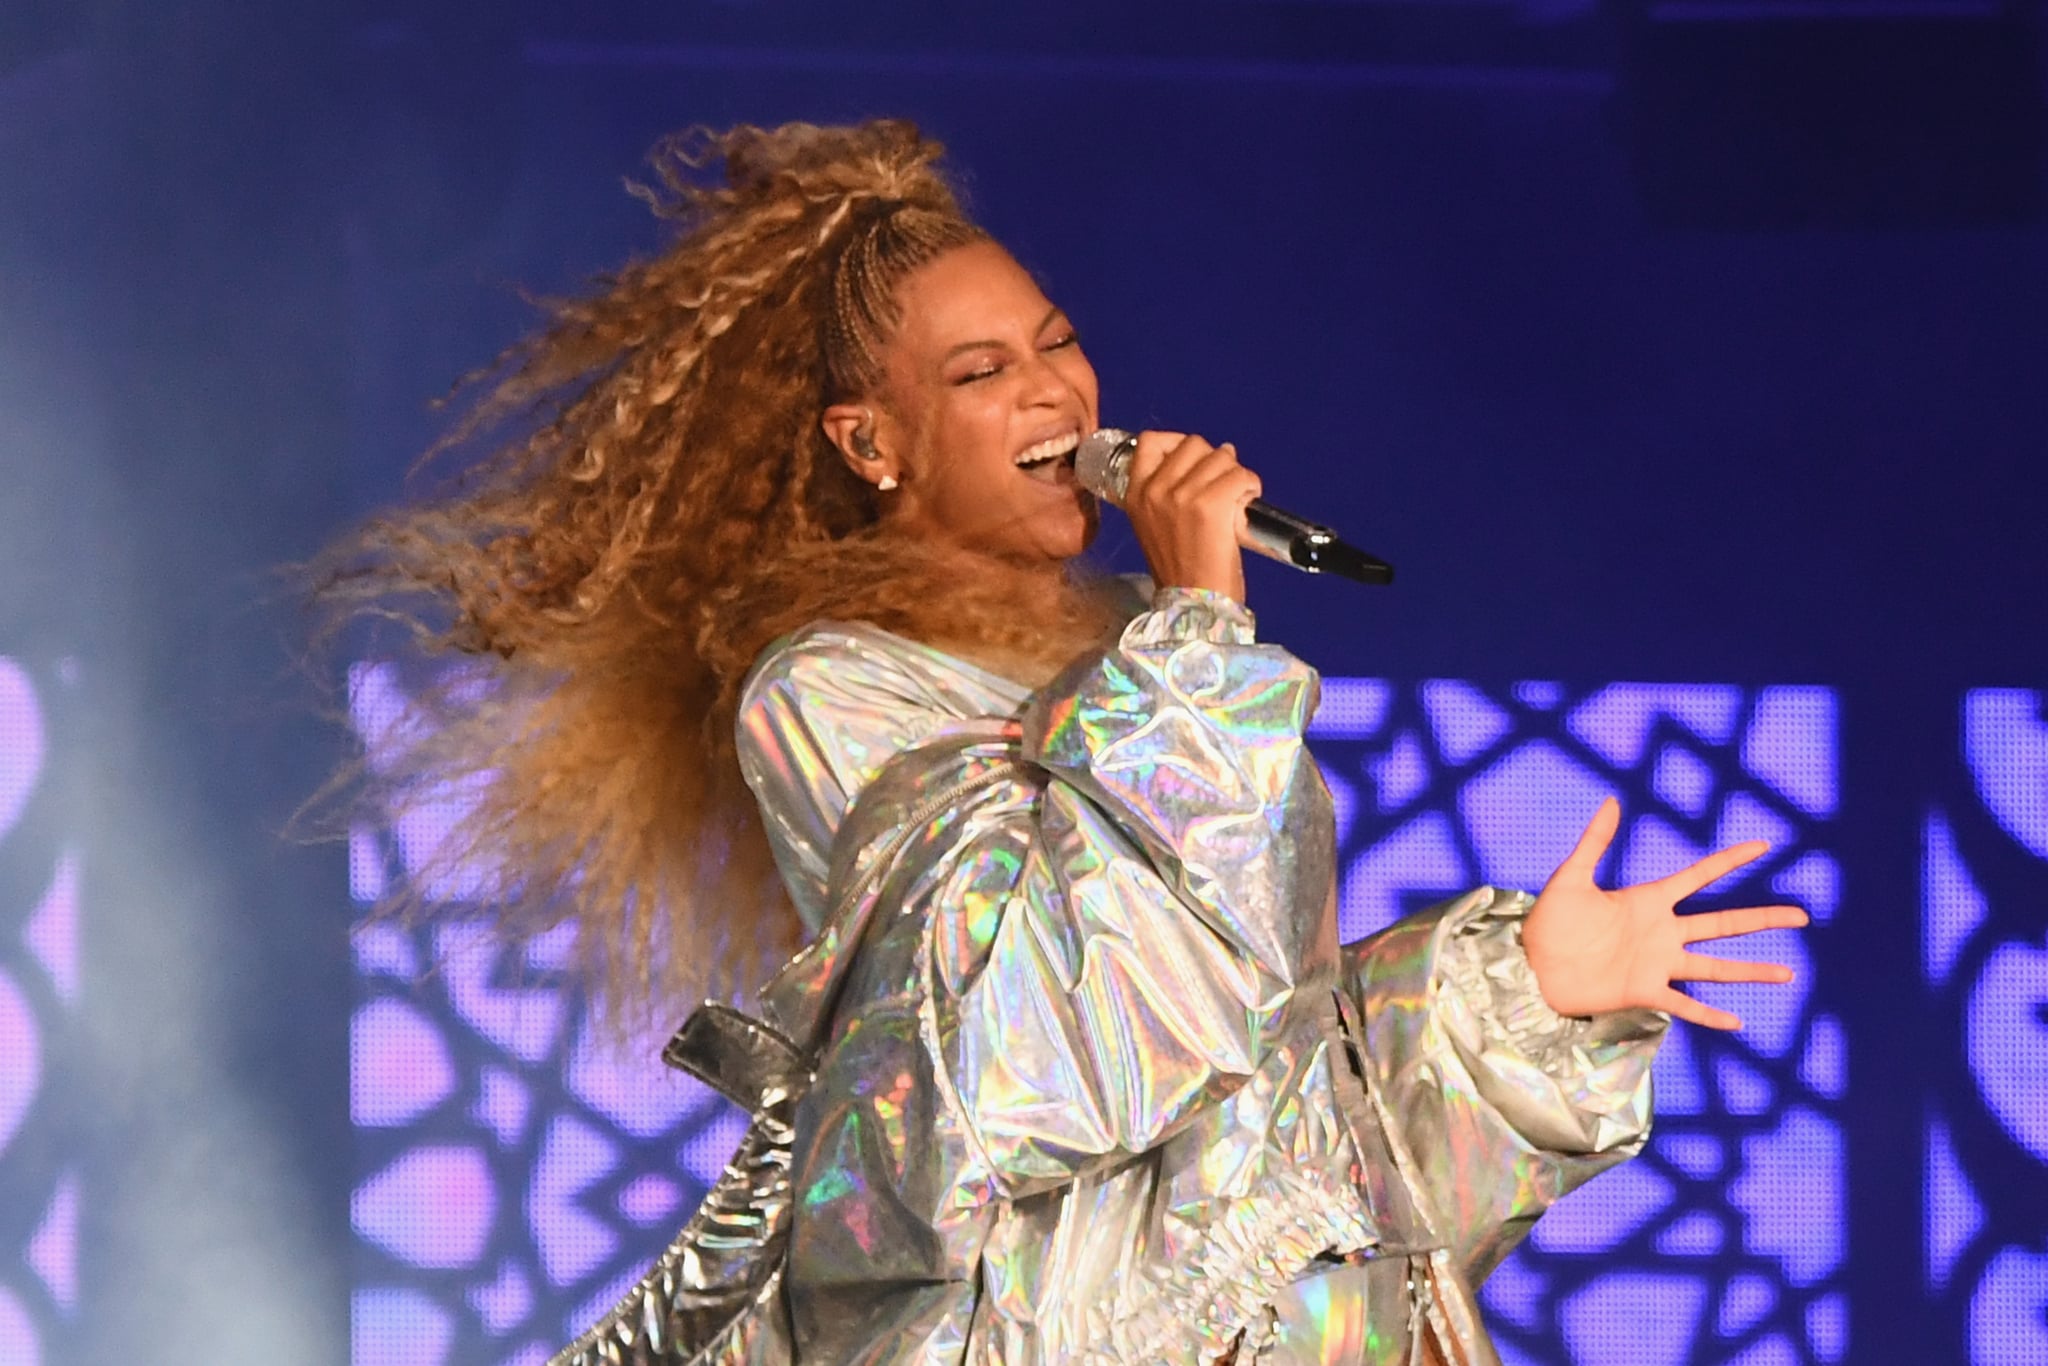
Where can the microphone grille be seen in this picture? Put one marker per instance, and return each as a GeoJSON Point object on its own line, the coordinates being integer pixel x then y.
{"type": "Point", "coordinates": [1103, 463]}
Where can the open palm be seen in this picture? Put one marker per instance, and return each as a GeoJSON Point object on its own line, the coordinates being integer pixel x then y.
{"type": "Point", "coordinates": [1594, 950]}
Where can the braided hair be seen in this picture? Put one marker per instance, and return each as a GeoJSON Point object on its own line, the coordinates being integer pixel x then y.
{"type": "Point", "coordinates": [665, 506]}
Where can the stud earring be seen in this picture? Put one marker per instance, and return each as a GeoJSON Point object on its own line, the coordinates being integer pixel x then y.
{"type": "Point", "coordinates": [886, 482]}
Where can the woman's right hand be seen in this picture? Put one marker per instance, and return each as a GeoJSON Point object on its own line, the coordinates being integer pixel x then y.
{"type": "Point", "coordinates": [1186, 500]}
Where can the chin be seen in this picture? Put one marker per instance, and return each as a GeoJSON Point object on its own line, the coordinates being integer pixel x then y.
{"type": "Point", "coordinates": [1051, 535]}
{"type": "Point", "coordinates": [1080, 533]}
{"type": "Point", "coordinates": [1070, 542]}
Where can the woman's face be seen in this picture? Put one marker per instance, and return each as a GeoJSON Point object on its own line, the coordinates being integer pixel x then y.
{"type": "Point", "coordinates": [985, 396]}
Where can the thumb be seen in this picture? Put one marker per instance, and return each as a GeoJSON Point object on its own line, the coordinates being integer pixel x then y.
{"type": "Point", "coordinates": [1593, 844]}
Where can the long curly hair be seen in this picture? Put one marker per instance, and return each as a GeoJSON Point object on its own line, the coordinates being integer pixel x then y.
{"type": "Point", "coordinates": [653, 505]}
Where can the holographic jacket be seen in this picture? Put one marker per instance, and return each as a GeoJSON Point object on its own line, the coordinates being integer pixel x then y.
{"type": "Point", "coordinates": [1075, 1070]}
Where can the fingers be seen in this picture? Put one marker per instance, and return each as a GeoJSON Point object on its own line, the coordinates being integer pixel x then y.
{"type": "Point", "coordinates": [1150, 458]}
{"type": "Point", "coordinates": [1198, 473]}
{"type": "Point", "coordinates": [1593, 843]}
{"type": "Point", "coordinates": [1694, 967]}
{"type": "Point", "coordinates": [1184, 465]}
{"type": "Point", "coordinates": [1680, 1006]}
{"type": "Point", "coordinates": [1748, 920]}
{"type": "Point", "coordinates": [1186, 501]}
{"type": "Point", "coordinates": [1713, 867]}
{"type": "Point", "coordinates": [1223, 477]}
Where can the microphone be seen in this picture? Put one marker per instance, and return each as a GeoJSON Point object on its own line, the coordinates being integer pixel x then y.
{"type": "Point", "coordinates": [1103, 466]}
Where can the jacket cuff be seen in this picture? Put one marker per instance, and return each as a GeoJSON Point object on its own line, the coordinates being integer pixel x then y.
{"type": "Point", "coordinates": [1186, 614]}
{"type": "Point", "coordinates": [1484, 962]}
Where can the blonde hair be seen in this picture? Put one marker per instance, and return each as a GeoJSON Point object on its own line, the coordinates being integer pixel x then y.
{"type": "Point", "coordinates": [670, 507]}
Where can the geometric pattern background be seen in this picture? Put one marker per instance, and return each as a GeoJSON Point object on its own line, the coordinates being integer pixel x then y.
{"type": "Point", "coordinates": [512, 1180]}
{"type": "Point", "coordinates": [39, 870]}
{"type": "Point", "coordinates": [1723, 1241]}
{"type": "Point", "coordinates": [1984, 950]}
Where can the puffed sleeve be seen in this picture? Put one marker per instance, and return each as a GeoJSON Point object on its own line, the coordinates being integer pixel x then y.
{"type": "Point", "coordinates": [819, 717]}
{"type": "Point", "coordinates": [1502, 1103]}
{"type": "Point", "coordinates": [1160, 909]}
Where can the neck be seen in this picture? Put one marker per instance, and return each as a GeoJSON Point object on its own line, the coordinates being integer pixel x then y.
{"type": "Point", "coordinates": [1026, 620]}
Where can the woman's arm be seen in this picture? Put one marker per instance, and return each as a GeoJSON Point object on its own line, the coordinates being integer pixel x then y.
{"type": "Point", "coordinates": [1505, 1102]}
{"type": "Point", "coordinates": [1188, 734]}
{"type": "Point", "coordinates": [1165, 903]}
{"type": "Point", "coordinates": [1111, 957]}
{"type": "Point", "coordinates": [1502, 1104]}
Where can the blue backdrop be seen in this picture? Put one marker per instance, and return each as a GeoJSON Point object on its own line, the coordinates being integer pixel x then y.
{"type": "Point", "coordinates": [1686, 357]}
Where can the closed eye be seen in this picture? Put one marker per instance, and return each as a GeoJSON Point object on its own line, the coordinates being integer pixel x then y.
{"type": "Point", "coordinates": [991, 369]}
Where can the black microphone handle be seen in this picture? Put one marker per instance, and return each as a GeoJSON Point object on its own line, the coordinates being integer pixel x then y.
{"type": "Point", "coordinates": [1310, 546]}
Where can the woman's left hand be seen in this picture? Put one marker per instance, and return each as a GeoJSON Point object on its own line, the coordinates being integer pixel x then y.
{"type": "Point", "coordinates": [1595, 951]}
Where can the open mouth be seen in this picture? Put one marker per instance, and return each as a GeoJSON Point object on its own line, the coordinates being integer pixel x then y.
{"type": "Point", "coordinates": [1051, 461]}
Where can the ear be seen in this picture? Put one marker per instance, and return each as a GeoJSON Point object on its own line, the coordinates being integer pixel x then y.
{"type": "Point", "coordinates": [840, 424]}
{"type": "Point", "coordinates": [851, 428]}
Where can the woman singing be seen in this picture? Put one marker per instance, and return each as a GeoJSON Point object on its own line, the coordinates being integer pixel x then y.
{"type": "Point", "coordinates": [788, 650]}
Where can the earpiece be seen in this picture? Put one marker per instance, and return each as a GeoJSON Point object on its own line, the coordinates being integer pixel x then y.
{"type": "Point", "coordinates": [864, 446]}
{"type": "Point", "coordinates": [864, 438]}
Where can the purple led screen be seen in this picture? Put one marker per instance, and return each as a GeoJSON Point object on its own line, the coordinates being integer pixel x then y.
{"type": "Point", "coordinates": [1986, 961]}
{"type": "Point", "coordinates": [38, 995]}
{"type": "Point", "coordinates": [512, 1180]}
{"type": "Point", "coordinates": [1723, 1242]}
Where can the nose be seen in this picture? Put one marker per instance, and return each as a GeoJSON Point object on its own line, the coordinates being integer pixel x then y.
{"type": "Point", "coordinates": [1045, 385]}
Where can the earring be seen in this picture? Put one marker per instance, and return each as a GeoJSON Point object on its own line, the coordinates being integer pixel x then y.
{"type": "Point", "coordinates": [886, 482]}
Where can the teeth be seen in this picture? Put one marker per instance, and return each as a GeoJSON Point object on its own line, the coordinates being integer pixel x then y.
{"type": "Point", "coordinates": [1051, 448]}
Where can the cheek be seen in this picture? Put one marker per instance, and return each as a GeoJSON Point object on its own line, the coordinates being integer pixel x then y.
{"type": "Point", "coordinates": [972, 440]}
{"type": "Point", "coordinates": [1080, 376]}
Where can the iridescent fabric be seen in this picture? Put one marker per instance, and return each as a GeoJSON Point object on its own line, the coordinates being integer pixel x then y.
{"type": "Point", "coordinates": [1094, 1081]}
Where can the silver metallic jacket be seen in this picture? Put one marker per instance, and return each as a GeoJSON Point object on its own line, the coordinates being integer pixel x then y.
{"type": "Point", "coordinates": [1074, 1069]}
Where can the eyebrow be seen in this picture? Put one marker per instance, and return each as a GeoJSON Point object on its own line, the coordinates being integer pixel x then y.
{"type": "Point", "coordinates": [977, 345]}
